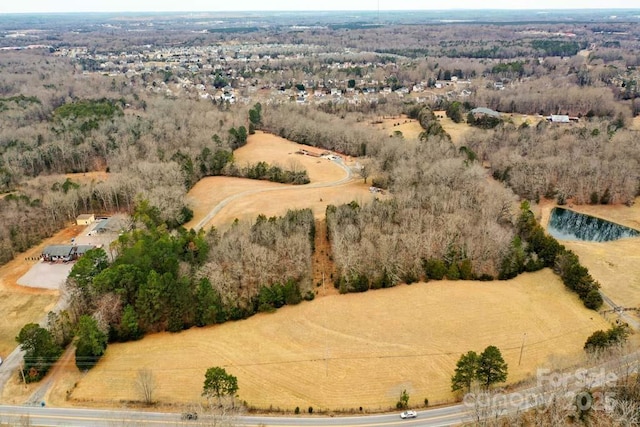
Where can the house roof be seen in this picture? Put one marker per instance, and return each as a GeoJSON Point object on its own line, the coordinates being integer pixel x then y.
{"type": "Point", "coordinates": [57, 250]}
{"type": "Point", "coordinates": [112, 224]}
{"type": "Point", "coordinates": [82, 249]}
{"type": "Point", "coordinates": [85, 216]}
{"type": "Point", "coordinates": [65, 250]}
{"type": "Point", "coordinates": [102, 225]}
{"type": "Point", "coordinates": [487, 111]}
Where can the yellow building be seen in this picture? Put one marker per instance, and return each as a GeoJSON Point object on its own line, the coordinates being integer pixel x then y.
{"type": "Point", "coordinates": [85, 219]}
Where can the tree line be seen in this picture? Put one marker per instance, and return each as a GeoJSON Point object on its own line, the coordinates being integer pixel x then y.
{"type": "Point", "coordinates": [532, 249]}
{"type": "Point", "coordinates": [438, 221]}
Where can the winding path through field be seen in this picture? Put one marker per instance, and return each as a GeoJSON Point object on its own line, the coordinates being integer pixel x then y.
{"type": "Point", "coordinates": [223, 203]}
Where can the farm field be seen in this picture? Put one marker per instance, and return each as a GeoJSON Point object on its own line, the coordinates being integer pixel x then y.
{"type": "Point", "coordinates": [346, 351]}
{"type": "Point", "coordinates": [81, 178]}
{"type": "Point", "coordinates": [251, 197]}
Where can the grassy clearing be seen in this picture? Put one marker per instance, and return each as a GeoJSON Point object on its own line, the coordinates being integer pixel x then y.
{"type": "Point", "coordinates": [252, 199]}
{"type": "Point", "coordinates": [410, 128]}
{"type": "Point", "coordinates": [84, 178]}
{"type": "Point", "coordinates": [346, 351]}
{"type": "Point", "coordinates": [456, 130]}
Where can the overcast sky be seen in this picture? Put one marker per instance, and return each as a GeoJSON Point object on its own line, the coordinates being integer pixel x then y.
{"type": "Point", "coordinates": [9, 6]}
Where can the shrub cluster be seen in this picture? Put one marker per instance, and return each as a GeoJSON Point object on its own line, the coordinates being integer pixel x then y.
{"type": "Point", "coordinates": [602, 340]}
{"type": "Point", "coordinates": [41, 351]}
{"type": "Point", "coordinates": [263, 171]}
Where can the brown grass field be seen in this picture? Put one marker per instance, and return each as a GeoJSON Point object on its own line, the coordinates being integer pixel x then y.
{"type": "Point", "coordinates": [456, 130]}
{"type": "Point", "coordinates": [80, 178]}
{"type": "Point", "coordinates": [346, 351]}
{"type": "Point", "coordinates": [252, 198]}
{"type": "Point", "coordinates": [410, 128]}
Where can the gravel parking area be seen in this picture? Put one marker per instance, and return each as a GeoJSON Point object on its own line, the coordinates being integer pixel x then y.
{"type": "Point", "coordinates": [46, 275]}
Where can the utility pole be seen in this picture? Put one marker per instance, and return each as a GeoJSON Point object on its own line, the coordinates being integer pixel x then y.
{"type": "Point", "coordinates": [522, 348]}
{"type": "Point", "coordinates": [24, 380]}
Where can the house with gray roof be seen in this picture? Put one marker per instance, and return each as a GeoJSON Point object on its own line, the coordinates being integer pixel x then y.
{"type": "Point", "coordinates": [485, 111]}
{"type": "Point", "coordinates": [64, 253]}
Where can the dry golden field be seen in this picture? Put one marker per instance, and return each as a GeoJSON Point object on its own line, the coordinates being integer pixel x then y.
{"type": "Point", "coordinates": [459, 130]}
{"type": "Point", "coordinates": [410, 128]}
{"type": "Point", "coordinates": [455, 130]}
{"type": "Point", "coordinates": [251, 197]}
{"type": "Point", "coordinates": [346, 351]}
{"type": "Point", "coordinates": [81, 178]}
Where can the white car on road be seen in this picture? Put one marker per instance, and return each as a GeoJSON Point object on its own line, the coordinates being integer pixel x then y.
{"type": "Point", "coordinates": [408, 414]}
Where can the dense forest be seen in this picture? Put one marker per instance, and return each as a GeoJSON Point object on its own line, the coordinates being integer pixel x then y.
{"type": "Point", "coordinates": [593, 162]}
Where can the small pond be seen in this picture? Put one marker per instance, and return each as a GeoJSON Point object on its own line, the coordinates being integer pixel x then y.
{"type": "Point", "coordinates": [565, 224]}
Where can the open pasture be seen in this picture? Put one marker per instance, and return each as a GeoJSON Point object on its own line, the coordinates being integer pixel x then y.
{"type": "Point", "coordinates": [347, 351]}
{"type": "Point", "coordinates": [244, 199]}
{"type": "Point", "coordinates": [410, 128]}
{"type": "Point", "coordinates": [455, 130]}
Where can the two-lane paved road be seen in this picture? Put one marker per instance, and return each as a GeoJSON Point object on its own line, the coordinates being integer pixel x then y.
{"type": "Point", "coordinates": [43, 416]}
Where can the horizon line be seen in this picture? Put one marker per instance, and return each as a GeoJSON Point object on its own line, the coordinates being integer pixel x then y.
{"type": "Point", "coordinates": [318, 10]}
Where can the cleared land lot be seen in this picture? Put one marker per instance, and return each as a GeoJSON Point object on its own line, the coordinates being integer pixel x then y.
{"type": "Point", "coordinates": [410, 128]}
{"type": "Point", "coordinates": [253, 197]}
{"type": "Point", "coordinates": [456, 130]}
{"type": "Point", "coordinates": [346, 351]}
{"type": "Point", "coordinates": [81, 178]}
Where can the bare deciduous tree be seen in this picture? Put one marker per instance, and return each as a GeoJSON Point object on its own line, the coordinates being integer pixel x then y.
{"type": "Point", "coordinates": [146, 385]}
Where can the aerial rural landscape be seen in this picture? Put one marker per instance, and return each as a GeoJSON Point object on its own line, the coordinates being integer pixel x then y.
{"type": "Point", "coordinates": [320, 218]}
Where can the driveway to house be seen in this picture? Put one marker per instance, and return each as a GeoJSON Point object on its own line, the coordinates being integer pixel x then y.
{"type": "Point", "coordinates": [217, 208]}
